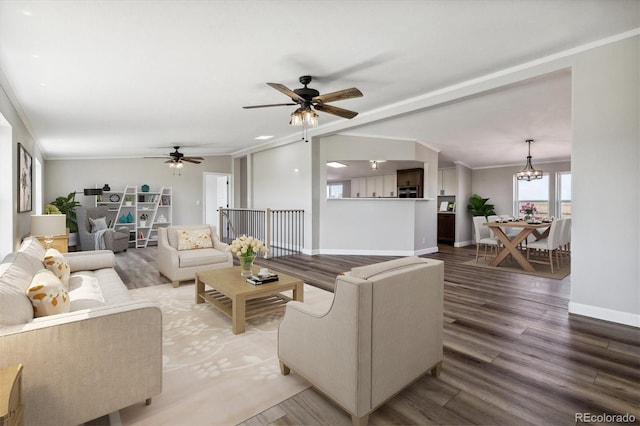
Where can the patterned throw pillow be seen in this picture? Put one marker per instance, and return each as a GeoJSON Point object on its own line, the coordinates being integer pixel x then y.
{"type": "Point", "coordinates": [48, 295]}
{"type": "Point", "coordinates": [189, 239]}
{"type": "Point", "coordinates": [98, 224]}
{"type": "Point", "coordinates": [55, 262]}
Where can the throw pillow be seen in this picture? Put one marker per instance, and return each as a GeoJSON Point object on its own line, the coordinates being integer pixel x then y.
{"type": "Point", "coordinates": [98, 224]}
{"type": "Point", "coordinates": [55, 262]}
{"type": "Point", "coordinates": [189, 239]}
{"type": "Point", "coordinates": [48, 295]}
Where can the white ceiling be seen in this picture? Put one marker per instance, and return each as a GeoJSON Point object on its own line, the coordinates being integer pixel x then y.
{"type": "Point", "coordinates": [133, 78]}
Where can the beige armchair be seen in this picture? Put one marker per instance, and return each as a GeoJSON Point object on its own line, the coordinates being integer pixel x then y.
{"type": "Point", "coordinates": [382, 331]}
{"type": "Point", "coordinates": [180, 263]}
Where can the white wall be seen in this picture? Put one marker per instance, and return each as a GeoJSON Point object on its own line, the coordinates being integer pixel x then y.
{"type": "Point", "coordinates": [464, 226]}
{"type": "Point", "coordinates": [605, 280]}
{"type": "Point", "coordinates": [64, 176]}
{"type": "Point", "coordinates": [13, 226]}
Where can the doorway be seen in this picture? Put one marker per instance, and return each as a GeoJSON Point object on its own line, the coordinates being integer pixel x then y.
{"type": "Point", "coordinates": [216, 194]}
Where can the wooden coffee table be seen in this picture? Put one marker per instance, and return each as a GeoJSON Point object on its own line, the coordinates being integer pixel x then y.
{"type": "Point", "coordinates": [240, 300]}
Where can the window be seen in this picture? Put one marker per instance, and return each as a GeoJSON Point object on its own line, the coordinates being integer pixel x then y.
{"type": "Point", "coordinates": [564, 195]}
{"type": "Point", "coordinates": [335, 190]}
{"type": "Point", "coordinates": [535, 192]}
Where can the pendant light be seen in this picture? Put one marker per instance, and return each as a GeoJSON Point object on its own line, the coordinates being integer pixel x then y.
{"type": "Point", "coordinates": [528, 172]}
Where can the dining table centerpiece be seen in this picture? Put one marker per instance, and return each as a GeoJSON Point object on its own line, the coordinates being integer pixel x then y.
{"type": "Point", "coordinates": [246, 248]}
{"type": "Point", "coordinates": [529, 209]}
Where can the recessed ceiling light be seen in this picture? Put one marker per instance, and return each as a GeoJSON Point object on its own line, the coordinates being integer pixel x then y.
{"type": "Point", "coordinates": [336, 165]}
{"type": "Point", "coordinates": [263, 137]}
{"type": "Point", "coordinates": [27, 13]}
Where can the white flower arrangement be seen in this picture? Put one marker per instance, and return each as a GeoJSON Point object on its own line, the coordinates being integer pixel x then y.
{"type": "Point", "coordinates": [247, 246]}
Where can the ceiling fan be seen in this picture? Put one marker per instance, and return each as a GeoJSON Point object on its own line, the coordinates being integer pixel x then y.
{"type": "Point", "coordinates": [310, 99]}
{"type": "Point", "coordinates": [178, 157]}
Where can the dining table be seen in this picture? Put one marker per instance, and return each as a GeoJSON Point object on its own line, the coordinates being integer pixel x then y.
{"type": "Point", "coordinates": [510, 245]}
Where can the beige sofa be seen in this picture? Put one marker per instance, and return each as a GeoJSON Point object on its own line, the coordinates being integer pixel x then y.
{"type": "Point", "coordinates": [182, 265]}
{"type": "Point", "coordinates": [382, 331]}
{"type": "Point", "coordinates": [103, 355]}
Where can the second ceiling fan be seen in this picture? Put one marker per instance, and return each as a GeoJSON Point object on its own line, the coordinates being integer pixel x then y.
{"type": "Point", "coordinates": [310, 99]}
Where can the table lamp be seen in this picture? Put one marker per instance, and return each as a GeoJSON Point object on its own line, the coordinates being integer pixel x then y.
{"type": "Point", "coordinates": [48, 226]}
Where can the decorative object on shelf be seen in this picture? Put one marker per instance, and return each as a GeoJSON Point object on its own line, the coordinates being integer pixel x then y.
{"type": "Point", "coordinates": [529, 209]}
{"type": "Point", "coordinates": [106, 187]}
{"type": "Point", "coordinates": [114, 198]}
{"type": "Point", "coordinates": [143, 219]}
{"type": "Point", "coordinates": [528, 172]}
{"type": "Point", "coordinates": [92, 191]}
{"type": "Point", "coordinates": [122, 219]}
{"type": "Point", "coordinates": [129, 218]}
{"type": "Point", "coordinates": [128, 200]}
{"type": "Point", "coordinates": [145, 188]}
{"type": "Point", "coordinates": [478, 206]}
{"type": "Point", "coordinates": [246, 248]}
{"type": "Point", "coordinates": [161, 219]}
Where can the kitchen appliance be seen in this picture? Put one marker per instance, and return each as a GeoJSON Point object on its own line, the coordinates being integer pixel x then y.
{"type": "Point", "coordinates": [407, 192]}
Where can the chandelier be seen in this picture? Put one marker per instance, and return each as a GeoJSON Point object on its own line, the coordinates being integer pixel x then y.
{"type": "Point", "coordinates": [528, 172]}
{"type": "Point", "coordinates": [176, 165]}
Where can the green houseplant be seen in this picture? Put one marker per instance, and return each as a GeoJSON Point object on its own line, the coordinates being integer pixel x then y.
{"type": "Point", "coordinates": [478, 206]}
{"type": "Point", "coordinates": [67, 206]}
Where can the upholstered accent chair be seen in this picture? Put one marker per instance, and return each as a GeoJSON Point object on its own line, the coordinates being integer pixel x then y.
{"type": "Point", "coordinates": [109, 240]}
{"type": "Point", "coordinates": [381, 332]}
{"type": "Point", "coordinates": [184, 250]}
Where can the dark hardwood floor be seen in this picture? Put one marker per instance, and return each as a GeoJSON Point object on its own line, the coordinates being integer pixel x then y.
{"type": "Point", "coordinates": [512, 353]}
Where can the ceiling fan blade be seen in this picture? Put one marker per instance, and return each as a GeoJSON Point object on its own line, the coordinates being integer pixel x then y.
{"type": "Point", "coordinates": [190, 160]}
{"type": "Point", "coordinates": [340, 95]}
{"type": "Point", "coordinates": [341, 112]}
{"type": "Point", "coordinates": [269, 105]}
{"type": "Point", "coordinates": [284, 89]}
{"type": "Point", "coordinates": [193, 158]}
{"type": "Point", "coordinates": [170, 161]}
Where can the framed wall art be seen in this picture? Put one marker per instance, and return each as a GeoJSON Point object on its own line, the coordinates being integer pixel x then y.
{"type": "Point", "coordinates": [25, 180]}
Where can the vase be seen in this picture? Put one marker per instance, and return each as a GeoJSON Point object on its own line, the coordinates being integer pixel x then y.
{"type": "Point", "coordinates": [246, 263]}
{"type": "Point", "coordinates": [528, 217]}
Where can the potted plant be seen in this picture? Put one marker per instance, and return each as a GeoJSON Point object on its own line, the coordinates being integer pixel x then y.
{"type": "Point", "coordinates": [67, 206]}
{"type": "Point", "coordinates": [478, 206]}
{"type": "Point", "coordinates": [128, 200]}
{"type": "Point", "coordinates": [143, 219]}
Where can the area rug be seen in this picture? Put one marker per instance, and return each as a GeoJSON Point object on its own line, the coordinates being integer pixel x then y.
{"type": "Point", "coordinates": [211, 376]}
{"type": "Point", "coordinates": [511, 266]}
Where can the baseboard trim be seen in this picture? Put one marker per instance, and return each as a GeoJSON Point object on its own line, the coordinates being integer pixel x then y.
{"type": "Point", "coordinates": [618, 317]}
{"type": "Point", "coordinates": [344, 252]}
{"type": "Point", "coordinates": [462, 243]}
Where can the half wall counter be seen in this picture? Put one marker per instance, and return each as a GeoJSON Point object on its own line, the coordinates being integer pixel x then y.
{"type": "Point", "coordinates": [378, 226]}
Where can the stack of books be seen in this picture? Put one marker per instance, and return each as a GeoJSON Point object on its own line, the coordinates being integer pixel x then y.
{"type": "Point", "coordinates": [262, 279]}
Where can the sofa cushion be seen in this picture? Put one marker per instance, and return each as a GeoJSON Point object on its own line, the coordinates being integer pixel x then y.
{"type": "Point", "coordinates": [48, 294]}
{"type": "Point", "coordinates": [16, 271]}
{"type": "Point", "coordinates": [84, 291]}
{"type": "Point", "coordinates": [32, 247]}
{"type": "Point", "coordinates": [366, 272]}
{"type": "Point", "coordinates": [208, 256]}
{"type": "Point", "coordinates": [190, 239]}
{"type": "Point", "coordinates": [55, 262]}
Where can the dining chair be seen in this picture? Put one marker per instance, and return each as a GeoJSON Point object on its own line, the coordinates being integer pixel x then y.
{"type": "Point", "coordinates": [483, 237]}
{"type": "Point", "coordinates": [551, 245]}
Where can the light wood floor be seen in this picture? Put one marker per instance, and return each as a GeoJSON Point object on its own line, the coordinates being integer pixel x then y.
{"type": "Point", "coordinates": [512, 353]}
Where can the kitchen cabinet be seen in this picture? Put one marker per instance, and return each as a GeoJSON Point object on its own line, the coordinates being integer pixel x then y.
{"type": "Point", "coordinates": [359, 187]}
{"type": "Point", "coordinates": [410, 177]}
{"type": "Point", "coordinates": [389, 186]}
{"type": "Point", "coordinates": [447, 181]}
{"type": "Point", "coordinates": [446, 227]}
{"type": "Point", "coordinates": [375, 186]}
